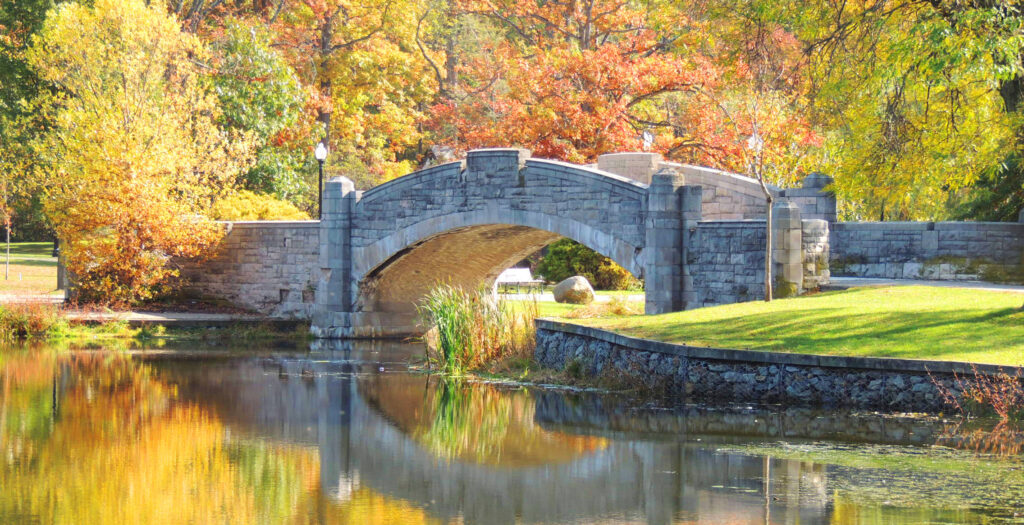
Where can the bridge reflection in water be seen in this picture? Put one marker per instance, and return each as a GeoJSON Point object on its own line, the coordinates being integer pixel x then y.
{"type": "Point", "coordinates": [490, 454]}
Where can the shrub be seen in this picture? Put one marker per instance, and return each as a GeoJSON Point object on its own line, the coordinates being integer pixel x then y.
{"type": "Point", "coordinates": [244, 205]}
{"type": "Point", "coordinates": [27, 320]}
{"type": "Point", "coordinates": [566, 258]}
{"type": "Point", "coordinates": [1001, 395]}
{"type": "Point", "coordinates": [471, 329]}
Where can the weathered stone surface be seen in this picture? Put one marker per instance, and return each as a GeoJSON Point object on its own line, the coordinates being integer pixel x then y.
{"type": "Point", "coordinates": [574, 290]}
{"type": "Point", "coordinates": [270, 267]}
{"type": "Point", "coordinates": [374, 254]}
{"type": "Point", "coordinates": [762, 377]}
{"type": "Point", "coordinates": [988, 251]}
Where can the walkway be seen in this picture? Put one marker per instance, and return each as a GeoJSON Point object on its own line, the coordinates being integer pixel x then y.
{"type": "Point", "coordinates": [843, 283]}
{"type": "Point", "coordinates": [547, 297]}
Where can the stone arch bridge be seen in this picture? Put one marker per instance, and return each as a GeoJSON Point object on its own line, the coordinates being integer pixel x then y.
{"type": "Point", "coordinates": [465, 222]}
{"type": "Point", "coordinates": [694, 235]}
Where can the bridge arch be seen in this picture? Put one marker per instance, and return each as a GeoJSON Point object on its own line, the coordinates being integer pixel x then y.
{"type": "Point", "coordinates": [465, 248]}
{"type": "Point", "coordinates": [465, 222]}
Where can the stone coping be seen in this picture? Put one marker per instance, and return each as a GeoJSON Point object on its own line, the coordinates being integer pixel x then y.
{"type": "Point", "coordinates": [712, 171]}
{"type": "Point", "coordinates": [270, 224]}
{"type": "Point", "coordinates": [778, 358]}
{"type": "Point", "coordinates": [567, 167]}
{"type": "Point", "coordinates": [734, 223]}
{"type": "Point", "coordinates": [929, 226]}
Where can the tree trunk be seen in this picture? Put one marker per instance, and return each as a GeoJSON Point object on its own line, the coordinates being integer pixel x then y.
{"type": "Point", "coordinates": [768, 251]}
{"type": "Point", "coordinates": [7, 263]}
{"type": "Point", "coordinates": [326, 92]}
{"type": "Point", "coordinates": [323, 115]}
{"type": "Point", "coordinates": [1011, 90]}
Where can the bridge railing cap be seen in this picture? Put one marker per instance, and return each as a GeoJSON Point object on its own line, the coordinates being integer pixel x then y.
{"type": "Point", "coordinates": [817, 179]}
{"type": "Point", "coordinates": [501, 158]}
{"type": "Point", "coordinates": [346, 183]}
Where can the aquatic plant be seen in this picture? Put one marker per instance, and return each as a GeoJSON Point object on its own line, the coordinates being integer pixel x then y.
{"type": "Point", "coordinates": [985, 394]}
{"type": "Point", "coordinates": [471, 328]}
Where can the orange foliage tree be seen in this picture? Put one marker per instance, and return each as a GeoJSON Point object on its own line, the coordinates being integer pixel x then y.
{"type": "Point", "coordinates": [575, 79]}
{"type": "Point", "coordinates": [572, 80]}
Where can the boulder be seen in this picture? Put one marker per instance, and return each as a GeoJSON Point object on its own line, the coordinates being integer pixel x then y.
{"type": "Point", "coordinates": [574, 290]}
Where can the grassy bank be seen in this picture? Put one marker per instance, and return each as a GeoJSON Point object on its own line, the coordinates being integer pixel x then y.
{"type": "Point", "coordinates": [33, 271]}
{"type": "Point", "coordinates": [41, 323]}
{"type": "Point", "coordinates": [914, 322]}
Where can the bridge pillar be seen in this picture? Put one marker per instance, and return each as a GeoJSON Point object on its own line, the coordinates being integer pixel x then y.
{"type": "Point", "coordinates": [335, 288]}
{"type": "Point", "coordinates": [787, 249]}
{"type": "Point", "coordinates": [812, 198]}
{"type": "Point", "coordinates": [671, 206]}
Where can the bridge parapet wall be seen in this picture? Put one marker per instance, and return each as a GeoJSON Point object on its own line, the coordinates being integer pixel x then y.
{"type": "Point", "coordinates": [267, 266]}
{"type": "Point", "coordinates": [726, 259]}
{"type": "Point", "coordinates": [502, 179]}
{"type": "Point", "coordinates": [727, 196]}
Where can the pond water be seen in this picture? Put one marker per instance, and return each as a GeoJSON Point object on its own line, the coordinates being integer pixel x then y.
{"type": "Point", "coordinates": [346, 434]}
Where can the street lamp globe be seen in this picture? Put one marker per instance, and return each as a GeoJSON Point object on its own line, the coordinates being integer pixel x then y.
{"type": "Point", "coordinates": [321, 152]}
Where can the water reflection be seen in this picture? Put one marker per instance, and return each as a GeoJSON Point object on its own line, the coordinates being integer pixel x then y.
{"type": "Point", "coordinates": [342, 434]}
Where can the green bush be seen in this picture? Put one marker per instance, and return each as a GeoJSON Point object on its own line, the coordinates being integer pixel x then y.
{"type": "Point", "coordinates": [566, 258]}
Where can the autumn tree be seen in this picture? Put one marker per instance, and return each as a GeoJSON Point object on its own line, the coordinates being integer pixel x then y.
{"type": "Point", "coordinates": [134, 151]}
{"type": "Point", "coordinates": [919, 99]}
{"type": "Point", "coordinates": [19, 85]}
{"type": "Point", "coordinates": [572, 80]}
{"type": "Point", "coordinates": [368, 82]}
{"type": "Point", "coordinates": [259, 93]}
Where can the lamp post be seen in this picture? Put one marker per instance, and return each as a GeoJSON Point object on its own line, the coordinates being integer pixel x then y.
{"type": "Point", "coordinates": [321, 155]}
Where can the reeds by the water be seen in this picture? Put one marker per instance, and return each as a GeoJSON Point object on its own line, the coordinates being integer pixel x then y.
{"type": "Point", "coordinates": [472, 328]}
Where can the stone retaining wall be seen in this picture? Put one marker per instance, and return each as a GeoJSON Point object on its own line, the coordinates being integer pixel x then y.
{"type": "Point", "coordinates": [990, 251]}
{"type": "Point", "coordinates": [721, 375]}
{"type": "Point", "coordinates": [267, 266]}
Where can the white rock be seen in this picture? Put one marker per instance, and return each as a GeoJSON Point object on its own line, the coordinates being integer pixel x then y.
{"type": "Point", "coordinates": [574, 290]}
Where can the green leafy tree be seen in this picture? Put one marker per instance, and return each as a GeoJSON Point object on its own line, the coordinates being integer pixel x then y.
{"type": "Point", "coordinates": [919, 98]}
{"type": "Point", "coordinates": [566, 258]}
{"type": "Point", "coordinates": [260, 93]}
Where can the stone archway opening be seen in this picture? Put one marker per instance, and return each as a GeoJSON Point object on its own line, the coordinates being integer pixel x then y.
{"type": "Point", "coordinates": [468, 256]}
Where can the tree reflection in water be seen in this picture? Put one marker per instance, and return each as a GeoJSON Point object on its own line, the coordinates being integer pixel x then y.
{"type": "Point", "coordinates": [98, 438]}
{"type": "Point", "coordinates": [476, 423]}
{"type": "Point", "coordinates": [105, 438]}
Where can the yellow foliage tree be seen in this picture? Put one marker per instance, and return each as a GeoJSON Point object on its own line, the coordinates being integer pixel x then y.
{"type": "Point", "coordinates": [135, 157]}
{"type": "Point", "coordinates": [244, 205]}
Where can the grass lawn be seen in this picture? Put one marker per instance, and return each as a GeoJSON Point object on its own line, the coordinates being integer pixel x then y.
{"type": "Point", "coordinates": [547, 288]}
{"type": "Point", "coordinates": [32, 270]}
{"type": "Point", "coordinates": [915, 322]}
{"type": "Point", "coordinates": [550, 309]}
